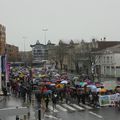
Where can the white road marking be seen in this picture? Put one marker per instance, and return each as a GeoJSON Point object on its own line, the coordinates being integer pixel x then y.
{"type": "Point", "coordinates": [50, 116]}
{"type": "Point", "coordinates": [51, 108]}
{"type": "Point", "coordinates": [86, 106]}
{"type": "Point", "coordinates": [99, 116]}
{"type": "Point", "coordinates": [61, 108]}
{"type": "Point", "coordinates": [69, 107]}
{"type": "Point", "coordinates": [78, 107]}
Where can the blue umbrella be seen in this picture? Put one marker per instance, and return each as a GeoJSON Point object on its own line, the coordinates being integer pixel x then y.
{"type": "Point", "coordinates": [48, 92]}
{"type": "Point", "coordinates": [93, 88]}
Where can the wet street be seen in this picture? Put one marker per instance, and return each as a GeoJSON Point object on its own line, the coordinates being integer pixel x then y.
{"type": "Point", "coordinates": [10, 102]}
{"type": "Point", "coordinates": [65, 112]}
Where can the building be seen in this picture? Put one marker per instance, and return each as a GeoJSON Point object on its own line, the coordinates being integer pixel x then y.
{"type": "Point", "coordinates": [12, 52]}
{"type": "Point", "coordinates": [25, 57]}
{"type": "Point", "coordinates": [82, 57]}
{"type": "Point", "coordinates": [2, 39]}
{"type": "Point", "coordinates": [41, 52]}
{"type": "Point", "coordinates": [108, 62]}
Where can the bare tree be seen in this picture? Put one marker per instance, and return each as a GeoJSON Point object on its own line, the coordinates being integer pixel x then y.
{"type": "Point", "coordinates": [60, 53]}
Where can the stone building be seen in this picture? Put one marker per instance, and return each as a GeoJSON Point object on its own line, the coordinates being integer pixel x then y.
{"type": "Point", "coordinates": [12, 52]}
{"type": "Point", "coordinates": [2, 39]}
{"type": "Point", "coordinates": [41, 52]}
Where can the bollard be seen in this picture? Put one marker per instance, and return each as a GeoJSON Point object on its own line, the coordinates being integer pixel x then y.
{"type": "Point", "coordinates": [39, 114]}
{"type": "Point", "coordinates": [25, 117]}
{"type": "Point", "coordinates": [17, 117]}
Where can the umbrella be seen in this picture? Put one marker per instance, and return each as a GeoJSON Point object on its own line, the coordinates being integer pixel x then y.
{"type": "Point", "coordinates": [103, 90]}
{"type": "Point", "coordinates": [64, 82]}
{"type": "Point", "coordinates": [57, 75]}
{"type": "Point", "coordinates": [58, 80]}
{"type": "Point", "coordinates": [72, 87]}
{"type": "Point", "coordinates": [98, 84]}
{"type": "Point", "coordinates": [59, 86]}
{"type": "Point", "coordinates": [43, 75]}
{"type": "Point", "coordinates": [83, 83]}
{"type": "Point", "coordinates": [48, 92]}
{"type": "Point", "coordinates": [93, 88]}
{"type": "Point", "coordinates": [75, 78]}
{"type": "Point", "coordinates": [48, 83]}
{"type": "Point", "coordinates": [53, 84]}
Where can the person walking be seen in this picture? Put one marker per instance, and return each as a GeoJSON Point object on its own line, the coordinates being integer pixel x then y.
{"type": "Point", "coordinates": [23, 92]}
{"type": "Point", "coordinates": [54, 100]}
{"type": "Point", "coordinates": [29, 93]}
{"type": "Point", "coordinates": [47, 101]}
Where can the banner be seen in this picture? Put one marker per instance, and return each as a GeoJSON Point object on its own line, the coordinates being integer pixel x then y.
{"type": "Point", "coordinates": [107, 100]}
{"type": "Point", "coordinates": [7, 72]}
{"type": "Point", "coordinates": [112, 99]}
{"type": "Point", "coordinates": [0, 75]}
{"type": "Point", "coordinates": [104, 100]}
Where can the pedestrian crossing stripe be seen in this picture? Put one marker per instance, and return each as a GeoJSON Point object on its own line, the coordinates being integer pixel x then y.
{"type": "Point", "coordinates": [69, 107]}
{"type": "Point", "coordinates": [51, 108]}
{"type": "Point", "coordinates": [78, 107]}
{"type": "Point", "coordinates": [52, 117]}
{"type": "Point", "coordinates": [86, 106]}
{"type": "Point", "coordinates": [61, 108]}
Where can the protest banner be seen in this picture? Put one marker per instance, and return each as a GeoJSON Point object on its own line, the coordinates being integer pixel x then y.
{"type": "Point", "coordinates": [104, 100]}
{"type": "Point", "coordinates": [112, 99]}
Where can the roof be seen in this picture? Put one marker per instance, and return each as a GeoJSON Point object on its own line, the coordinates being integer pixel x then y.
{"type": "Point", "coordinates": [113, 49]}
{"type": "Point", "coordinates": [105, 44]}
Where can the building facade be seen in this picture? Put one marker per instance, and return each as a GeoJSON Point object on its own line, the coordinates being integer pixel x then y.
{"type": "Point", "coordinates": [12, 52]}
{"type": "Point", "coordinates": [2, 39]}
{"type": "Point", "coordinates": [41, 52]}
{"type": "Point", "coordinates": [108, 63]}
{"type": "Point", "coordinates": [25, 57]}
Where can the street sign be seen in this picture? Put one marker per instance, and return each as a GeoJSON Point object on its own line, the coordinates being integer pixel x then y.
{"type": "Point", "coordinates": [14, 111]}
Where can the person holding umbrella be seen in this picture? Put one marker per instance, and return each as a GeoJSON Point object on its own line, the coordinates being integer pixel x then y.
{"type": "Point", "coordinates": [54, 100]}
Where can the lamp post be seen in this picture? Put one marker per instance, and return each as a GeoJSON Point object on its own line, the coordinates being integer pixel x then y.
{"type": "Point", "coordinates": [24, 38]}
{"type": "Point", "coordinates": [45, 30]}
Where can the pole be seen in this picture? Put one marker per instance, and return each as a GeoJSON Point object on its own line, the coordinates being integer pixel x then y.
{"type": "Point", "coordinates": [17, 117]}
{"type": "Point", "coordinates": [39, 114]}
{"type": "Point", "coordinates": [45, 30]}
{"type": "Point", "coordinates": [38, 100]}
{"type": "Point", "coordinates": [24, 50]}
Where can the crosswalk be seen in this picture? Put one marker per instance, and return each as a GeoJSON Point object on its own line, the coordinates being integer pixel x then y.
{"type": "Point", "coordinates": [69, 107]}
{"type": "Point", "coordinates": [61, 108]}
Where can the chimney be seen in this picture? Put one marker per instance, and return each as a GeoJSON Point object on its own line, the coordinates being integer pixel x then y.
{"type": "Point", "coordinates": [104, 38]}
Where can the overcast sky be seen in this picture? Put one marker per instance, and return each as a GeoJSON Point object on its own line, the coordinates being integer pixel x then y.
{"type": "Point", "coordinates": [64, 19]}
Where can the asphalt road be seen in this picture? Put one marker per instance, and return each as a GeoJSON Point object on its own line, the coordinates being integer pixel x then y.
{"type": "Point", "coordinates": [66, 112]}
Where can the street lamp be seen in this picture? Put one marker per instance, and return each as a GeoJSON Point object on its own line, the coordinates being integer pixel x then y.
{"type": "Point", "coordinates": [45, 30]}
{"type": "Point", "coordinates": [24, 38]}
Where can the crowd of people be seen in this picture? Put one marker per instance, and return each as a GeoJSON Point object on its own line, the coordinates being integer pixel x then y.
{"type": "Point", "coordinates": [57, 88]}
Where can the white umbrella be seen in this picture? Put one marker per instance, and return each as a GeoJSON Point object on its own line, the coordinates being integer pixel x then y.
{"type": "Point", "coordinates": [64, 82]}
{"type": "Point", "coordinates": [52, 84]}
{"type": "Point", "coordinates": [57, 75]}
{"type": "Point", "coordinates": [75, 78]}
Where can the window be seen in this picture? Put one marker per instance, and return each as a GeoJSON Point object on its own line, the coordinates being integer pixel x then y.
{"type": "Point", "coordinates": [107, 59]}
{"type": "Point", "coordinates": [104, 59]}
